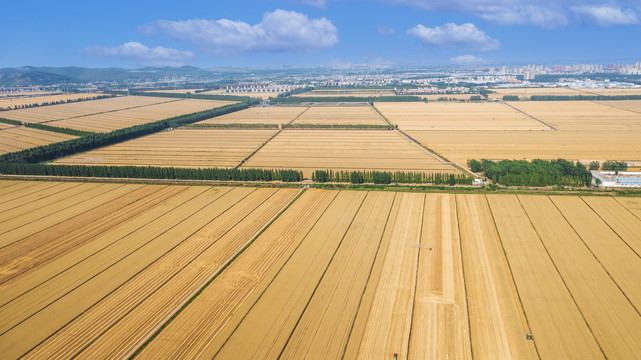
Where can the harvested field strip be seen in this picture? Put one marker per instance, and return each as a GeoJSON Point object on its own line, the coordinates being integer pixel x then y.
{"type": "Point", "coordinates": [631, 204]}
{"type": "Point", "coordinates": [31, 204]}
{"type": "Point", "coordinates": [617, 326]}
{"type": "Point", "coordinates": [497, 324]}
{"type": "Point", "coordinates": [19, 138]}
{"type": "Point", "coordinates": [558, 328]}
{"type": "Point", "coordinates": [46, 217]}
{"type": "Point", "coordinates": [323, 329]}
{"type": "Point", "coordinates": [275, 315]}
{"type": "Point", "coordinates": [622, 222]}
{"type": "Point", "coordinates": [222, 305]}
{"type": "Point", "coordinates": [113, 326]}
{"type": "Point", "coordinates": [390, 320]}
{"type": "Point", "coordinates": [24, 188]}
{"type": "Point", "coordinates": [440, 326]}
{"type": "Point", "coordinates": [621, 263]}
{"type": "Point", "coordinates": [77, 290]}
{"type": "Point", "coordinates": [53, 242]}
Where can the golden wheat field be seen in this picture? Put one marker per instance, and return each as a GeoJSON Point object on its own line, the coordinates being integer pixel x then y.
{"type": "Point", "coordinates": [259, 115]}
{"type": "Point", "coordinates": [195, 148]}
{"type": "Point", "coordinates": [525, 93]}
{"type": "Point", "coordinates": [11, 102]}
{"type": "Point", "coordinates": [582, 115]}
{"type": "Point", "coordinates": [220, 272]}
{"type": "Point", "coordinates": [446, 97]}
{"type": "Point", "coordinates": [347, 92]}
{"type": "Point", "coordinates": [456, 116]}
{"type": "Point", "coordinates": [308, 150]}
{"type": "Point", "coordinates": [630, 105]}
{"type": "Point", "coordinates": [340, 115]}
{"type": "Point", "coordinates": [16, 138]}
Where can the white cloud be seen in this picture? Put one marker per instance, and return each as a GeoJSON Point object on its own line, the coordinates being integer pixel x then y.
{"type": "Point", "coordinates": [158, 56]}
{"type": "Point", "coordinates": [541, 13]}
{"type": "Point", "coordinates": [279, 31]}
{"type": "Point", "coordinates": [606, 15]}
{"type": "Point", "coordinates": [466, 36]}
{"type": "Point", "coordinates": [384, 30]}
{"type": "Point", "coordinates": [466, 60]}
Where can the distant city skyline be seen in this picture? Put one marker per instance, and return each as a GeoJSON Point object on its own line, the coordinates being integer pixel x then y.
{"type": "Point", "coordinates": [335, 33]}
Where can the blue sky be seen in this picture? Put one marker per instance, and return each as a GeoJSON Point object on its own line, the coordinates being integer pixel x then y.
{"type": "Point", "coordinates": [268, 33]}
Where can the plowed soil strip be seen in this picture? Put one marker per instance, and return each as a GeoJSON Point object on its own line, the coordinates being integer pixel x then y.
{"type": "Point", "coordinates": [389, 324]}
{"type": "Point", "coordinates": [498, 326]}
{"type": "Point", "coordinates": [67, 296]}
{"type": "Point", "coordinates": [323, 329]}
{"type": "Point", "coordinates": [556, 322]}
{"type": "Point", "coordinates": [440, 326]}
{"type": "Point", "coordinates": [616, 327]}
{"type": "Point", "coordinates": [33, 251]}
{"type": "Point", "coordinates": [224, 302]}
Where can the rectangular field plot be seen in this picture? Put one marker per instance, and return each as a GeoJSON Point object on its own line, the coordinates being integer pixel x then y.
{"type": "Point", "coordinates": [106, 270]}
{"type": "Point", "coordinates": [65, 111]}
{"type": "Point", "coordinates": [340, 115]}
{"type": "Point", "coordinates": [525, 93]}
{"type": "Point", "coordinates": [581, 115]}
{"type": "Point", "coordinates": [196, 148]}
{"type": "Point", "coordinates": [459, 146]}
{"type": "Point", "coordinates": [10, 103]}
{"type": "Point", "coordinates": [630, 105]}
{"type": "Point", "coordinates": [457, 116]}
{"type": "Point", "coordinates": [114, 120]}
{"type": "Point", "coordinates": [259, 115]}
{"type": "Point", "coordinates": [15, 138]}
{"type": "Point", "coordinates": [308, 150]}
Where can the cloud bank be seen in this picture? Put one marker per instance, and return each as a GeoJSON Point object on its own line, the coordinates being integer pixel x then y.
{"type": "Point", "coordinates": [158, 56]}
{"type": "Point", "coordinates": [465, 36]}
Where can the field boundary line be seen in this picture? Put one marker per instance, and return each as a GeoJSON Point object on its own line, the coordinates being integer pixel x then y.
{"type": "Point", "coordinates": [534, 118]}
{"type": "Point", "coordinates": [277, 273]}
{"type": "Point", "coordinates": [194, 294]}
{"type": "Point", "coordinates": [255, 151]}
{"type": "Point", "coordinates": [594, 255]}
{"type": "Point", "coordinates": [134, 276]}
{"type": "Point", "coordinates": [600, 102]}
{"type": "Point", "coordinates": [460, 248]}
{"type": "Point", "coordinates": [625, 207]}
{"type": "Point", "coordinates": [418, 265]}
{"type": "Point", "coordinates": [297, 116]}
{"type": "Point", "coordinates": [509, 271]}
{"type": "Point", "coordinates": [382, 116]}
{"type": "Point", "coordinates": [561, 277]}
{"type": "Point", "coordinates": [369, 275]}
{"type": "Point", "coordinates": [329, 264]}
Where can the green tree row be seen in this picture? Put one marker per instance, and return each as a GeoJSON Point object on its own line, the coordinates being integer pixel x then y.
{"type": "Point", "coordinates": [338, 126]}
{"type": "Point", "coordinates": [47, 103]}
{"type": "Point", "coordinates": [70, 147]}
{"type": "Point", "coordinates": [153, 172]}
{"type": "Point", "coordinates": [369, 99]}
{"type": "Point", "coordinates": [246, 99]}
{"type": "Point", "coordinates": [612, 165]}
{"type": "Point", "coordinates": [233, 126]}
{"type": "Point", "coordinates": [533, 173]}
{"type": "Point", "coordinates": [61, 130]}
{"type": "Point", "coordinates": [511, 98]}
{"type": "Point", "coordinates": [388, 177]}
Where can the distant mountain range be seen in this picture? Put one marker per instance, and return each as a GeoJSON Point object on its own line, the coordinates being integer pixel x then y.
{"type": "Point", "coordinates": [31, 76]}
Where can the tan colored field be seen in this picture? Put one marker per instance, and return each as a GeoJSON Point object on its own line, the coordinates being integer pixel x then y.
{"type": "Point", "coordinates": [456, 116]}
{"type": "Point", "coordinates": [347, 92]}
{"type": "Point", "coordinates": [630, 105]}
{"type": "Point", "coordinates": [447, 97]}
{"type": "Point", "coordinates": [612, 92]}
{"type": "Point", "coordinates": [261, 95]}
{"type": "Point", "coordinates": [459, 146]}
{"type": "Point", "coordinates": [525, 93]}
{"type": "Point", "coordinates": [581, 115]}
{"type": "Point", "coordinates": [94, 270]}
{"type": "Point", "coordinates": [125, 118]}
{"type": "Point", "coordinates": [308, 150]}
{"type": "Point", "coordinates": [340, 115]}
{"type": "Point", "coordinates": [259, 115]}
{"type": "Point", "coordinates": [179, 148]}
{"type": "Point", "coordinates": [16, 138]}
{"type": "Point", "coordinates": [10, 103]}
{"type": "Point", "coordinates": [83, 108]}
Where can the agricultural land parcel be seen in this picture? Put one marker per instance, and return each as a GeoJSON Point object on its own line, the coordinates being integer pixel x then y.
{"type": "Point", "coordinates": [340, 115]}
{"type": "Point", "coordinates": [259, 115]}
{"type": "Point", "coordinates": [111, 114]}
{"type": "Point", "coordinates": [16, 138]}
{"type": "Point", "coordinates": [194, 148]}
{"type": "Point", "coordinates": [347, 92]}
{"type": "Point", "coordinates": [10, 102]}
{"type": "Point", "coordinates": [338, 274]}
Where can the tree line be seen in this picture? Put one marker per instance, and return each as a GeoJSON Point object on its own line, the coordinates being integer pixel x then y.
{"type": "Point", "coordinates": [70, 147]}
{"type": "Point", "coordinates": [245, 99]}
{"type": "Point", "coordinates": [153, 172]}
{"type": "Point", "coordinates": [233, 126]}
{"type": "Point", "coordinates": [338, 126]}
{"type": "Point", "coordinates": [368, 99]}
{"type": "Point", "coordinates": [533, 173]}
{"type": "Point", "coordinates": [58, 102]}
{"type": "Point", "coordinates": [388, 177]}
